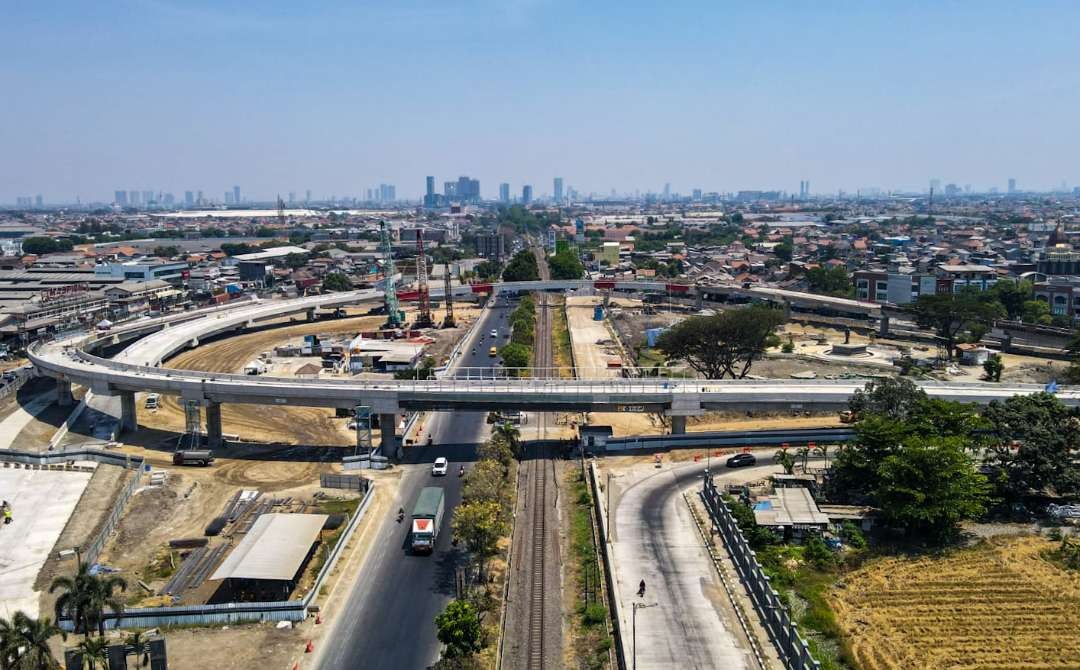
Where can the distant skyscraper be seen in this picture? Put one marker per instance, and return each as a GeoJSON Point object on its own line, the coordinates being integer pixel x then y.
{"type": "Point", "coordinates": [667, 191]}
{"type": "Point", "coordinates": [199, 199]}
{"type": "Point", "coordinates": [526, 194]}
{"type": "Point", "coordinates": [504, 192]}
{"type": "Point", "coordinates": [189, 199]}
{"type": "Point", "coordinates": [467, 189]}
{"type": "Point", "coordinates": [120, 198]}
{"type": "Point", "coordinates": [1012, 185]}
{"type": "Point", "coordinates": [148, 197]}
{"type": "Point", "coordinates": [696, 194]}
{"type": "Point", "coordinates": [229, 199]}
{"type": "Point", "coordinates": [430, 191]}
{"type": "Point", "coordinates": [133, 198]}
{"type": "Point", "coordinates": [39, 201]}
{"type": "Point", "coordinates": [292, 197]}
{"type": "Point", "coordinates": [935, 185]}
{"type": "Point", "coordinates": [558, 189]}
{"type": "Point", "coordinates": [387, 193]}
{"type": "Point", "coordinates": [307, 196]}
{"type": "Point", "coordinates": [236, 194]}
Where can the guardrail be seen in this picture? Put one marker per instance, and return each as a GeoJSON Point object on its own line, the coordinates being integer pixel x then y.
{"type": "Point", "coordinates": [730, 439]}
{"type": "Point", "coordinates": [793, 649]}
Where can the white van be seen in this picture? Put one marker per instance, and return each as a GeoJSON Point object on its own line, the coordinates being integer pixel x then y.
{"type": "Point", "coordinates": [153, 401]}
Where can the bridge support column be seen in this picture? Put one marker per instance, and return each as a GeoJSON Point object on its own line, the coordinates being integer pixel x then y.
{"type": "Point", "coordinates": [883, 326]}
{"type": "Point", "coordinates": [213, 425]}
{"type": "Point", "coordinates": [128, 418]}
{"type": "Point", "coordinates": [388, 441]}
{"type": "Point", "coordinates": [311, 315]}
{"type": "Point", "coordinates": [678, 425]}
{"type": "Point", "coordinates": [63, 393]}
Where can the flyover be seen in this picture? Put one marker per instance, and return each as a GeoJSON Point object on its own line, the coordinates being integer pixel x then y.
{"type": "Point", "coordinates": [136, 369]}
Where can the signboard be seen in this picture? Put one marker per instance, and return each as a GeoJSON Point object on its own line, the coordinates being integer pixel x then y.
{"type": "Point", "coordinates": [631, 408]}
{"type": "Point", "coordinates": [62, 292]}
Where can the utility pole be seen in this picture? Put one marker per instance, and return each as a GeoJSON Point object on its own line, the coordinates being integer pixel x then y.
{"type": "Point", "coordinates": [638, 606]}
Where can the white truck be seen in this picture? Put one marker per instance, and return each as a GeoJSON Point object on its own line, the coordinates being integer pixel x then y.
{"type": "Point", "coordinates": [427, 517]}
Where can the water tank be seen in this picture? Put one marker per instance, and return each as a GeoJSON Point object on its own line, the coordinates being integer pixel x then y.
{"type": "Point", "coordinates": [598, 313]}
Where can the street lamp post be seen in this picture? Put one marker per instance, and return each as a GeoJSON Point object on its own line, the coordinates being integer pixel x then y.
{"type": "Point", "coordinates": [636, 607]}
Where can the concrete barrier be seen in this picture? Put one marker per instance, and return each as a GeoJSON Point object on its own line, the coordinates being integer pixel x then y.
{"type": "Point", "coordinates": [613, 600]}
{"type": "Point", "coordinates": [793, 649]}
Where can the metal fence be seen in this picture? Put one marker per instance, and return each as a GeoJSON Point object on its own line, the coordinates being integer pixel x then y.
{"type": "Point", "coordinates": [93, 550]}
{"type": "Point", "coordinates": [730, 439]}
{"type": "Point", "coordinates": [351, 482]}
{"type": "Point", "coordinates": [793, 649]}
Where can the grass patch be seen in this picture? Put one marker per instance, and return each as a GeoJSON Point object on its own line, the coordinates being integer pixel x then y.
{"type": "Point", "coordinates": [590, 631]}
{"type": "Point", "coordinates": [562, 352]}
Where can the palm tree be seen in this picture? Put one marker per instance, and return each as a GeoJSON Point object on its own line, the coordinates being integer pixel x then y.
{"type": "Point", "coordinates": [86, 597]}
{"type": "Point", "coordinates": [9, 645]}
{"type": "Point", "coordinates": [784, 460]}
{"type": "Point", "coordinates": [140, 647]}
{"type": "Point", "coordinates": [804, 454]}
{"type": "Point", "coordinates": [33, 636]}
{"type": "Point", "coordinates": [823, 450]}
{"type": "Point", "coordinates": [94, 653]}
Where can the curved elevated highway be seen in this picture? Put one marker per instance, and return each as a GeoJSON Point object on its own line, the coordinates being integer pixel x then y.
{"type": "Point", "coordinates": [137, 369]}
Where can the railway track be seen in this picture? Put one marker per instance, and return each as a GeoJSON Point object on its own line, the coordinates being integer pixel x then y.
{"type": "Point", "coordinates": [538, 477]}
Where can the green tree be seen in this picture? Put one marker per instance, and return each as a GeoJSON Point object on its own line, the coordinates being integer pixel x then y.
{"type": "Point", "coordinates": [489, 270]}
{"type": "Point", "coordinates": [337, 282]}
{"type": "Point", "coordinates": [40, 245]}
{"type": "Point", "coordinates": [94, 652]}
{"type": "Point", "coordinates": [522, 267]}
{"type": "Point", "coordinates": [950, 314]}
{"type": "Point", "coordinates": [511, 435]}
{"type": "Point", "coordinates": [140, 648]}
{"type": "Point", "coordinates": [458, 628]}
{"type": "Point", "coordinates": [724, 344]}
{"type": "Point", "coordinates": [896, 398]}
{"type": "Point", "coordinates": [993, 367]}
{"type": "Point", "coordinates": [830, 281]}
{"type": "Point", "coordinates": [480, 524]}
{"type": "Point", "coordinates": [85, 597]}
{"type": "Point", "coordinates": [929, 486]}
{"type": "Point", "coordinates": [264, 231]}
{"type": "Point", "coordinates": [295, 261]}
{"type": "Point", "coordinates": [784, 251]}
{"type": "Point", "coordinates": [167, 251]}
{"type": "Point", "coordinates": [1012, 296]}
{"type": "Point", "coordinates": [1036, 312]}
{"type": "Point", "coordinates": [784, 459]}
{"type": "Point", "coordinates": [1039, 445]}
{"type": "Point", "coordinates": [497, 450]}
{"type": "Point", "coordinates": [486, 482]}
{"type": "Point", "coordinates": [24, 643]}
{"type": "Point", "coordinates": [566, 265]}
{"type": "Point", "coordinates": [515, 355]}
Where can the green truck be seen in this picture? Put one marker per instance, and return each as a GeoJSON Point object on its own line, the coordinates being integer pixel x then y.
{"type": "Point", "coordinates": [427, 519]}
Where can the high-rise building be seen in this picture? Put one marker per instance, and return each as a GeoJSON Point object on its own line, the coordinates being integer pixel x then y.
{"type": "Point", "coordinates": [696, 195]}
{"type": "Point", "coordinates": [229, 200]}
{"type": "Point", "coordinates": [431, 198]}
{"type": "Point", "coordinates": [430, 190]}
{"type": "Point", "coordinates": [236, 194]}
{"type": "Point", "coordinates": [667, 191]}
{"type": "Point", "coordinates": [490, 246]}
{"type": "Point", "coordinates": [120, 198]}
{"type": "Point", "coordinates": [199, 199]}
{"type": "Point", "coordinates": [1012, 185]}
{"type": "Point", "coordinates": [387, 193]}
{"type": "Point", "coordinates": [148, 197]}
{"type": "Point", "coordinates": [189, 199]}
{"type": "Point", "coordinates": [504, 192]}
{"type": "Point", "coordinates": [468, 190]}
{"type": "Point", "coordinates": [292, 197]}
{"type": "Point", "coordinates": [558, 189]}
{"type": "Point", "coordinates": [526, 194]}
{"type": "Point", "coordinates": [935, 185]}
{"type": "Point", "coordinates": [39, 201]}
{"type": "Point", "coordinates": [307, 196]}
{"type": "Point", "coordinates": [133, 198]}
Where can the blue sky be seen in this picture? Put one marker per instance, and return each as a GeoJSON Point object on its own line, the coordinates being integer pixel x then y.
{"type": "Point", "coordinates": [339, 96]}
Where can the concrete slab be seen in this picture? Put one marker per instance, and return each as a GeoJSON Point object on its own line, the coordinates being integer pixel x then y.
{"type": "Point", "coordinates": [42, 501]}
{"type": "Point", "coordinates": [585, 333]}
{"type": "Point", "coordinates": [655, 539]}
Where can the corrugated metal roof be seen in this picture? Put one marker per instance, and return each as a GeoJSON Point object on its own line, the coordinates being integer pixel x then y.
{"type": "Point", "coordinates": [274, 548]}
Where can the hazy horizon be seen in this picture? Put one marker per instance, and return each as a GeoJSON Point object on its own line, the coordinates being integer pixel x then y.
{"type": "Point", "coordinates": [337, 98]}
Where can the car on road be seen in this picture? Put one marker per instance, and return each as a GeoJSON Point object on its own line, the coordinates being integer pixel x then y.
{"type": "Point", "coordinates": [439, 467]}
{"type": "Point", "coordinates": [493, 352]}
{"type": "Point", "coordinates": [494, 333]}
{"type": "Point", "coordinates": [741, 460]}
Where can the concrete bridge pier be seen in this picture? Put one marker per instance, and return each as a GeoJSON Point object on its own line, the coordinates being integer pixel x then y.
{"type": "Point", "coordinates": [388, 443]}
{"type": "Point", "coordinates": [129, 420]}
{"type": "Point", "coordinates": [678, 425]}
{"type": "Point", "coordinates": [311, 315]}
{"type": "Point", "coordinates": [883, 326]}
{"type": "Point", "coordinates": [63, 393]}
{"type": "Point", "coordinates": [213, 425]}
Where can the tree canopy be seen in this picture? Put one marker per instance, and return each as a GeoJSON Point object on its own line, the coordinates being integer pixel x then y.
{"type": "Point", "coordinates": [458, 628]}
{"type": "Point", "coordinates": [724, 344]}
{"type": "Point", "coordinates": [950, 314]}
{"type": "Point", "coordinates": [1038, 447]}
{"type": "Point", "coordinates": [566, 265]}
{"type": "Point", "coordinates": [336, 282]}
{"type": "Point", "coordinates": [830, 281]}
{"type": "Point", "coordinates": [45, 245]}
{"type": "Point", "coordinates": [522, 267]}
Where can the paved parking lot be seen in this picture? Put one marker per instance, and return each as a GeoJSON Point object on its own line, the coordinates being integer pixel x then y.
{"type": "Point", "coordinates": [42, 501]}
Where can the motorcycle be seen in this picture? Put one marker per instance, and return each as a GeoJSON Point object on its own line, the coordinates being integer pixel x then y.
{"type": "Point", "coordinates": [461, 471]}
{"type": "Point", "coordinates": [400, 515]}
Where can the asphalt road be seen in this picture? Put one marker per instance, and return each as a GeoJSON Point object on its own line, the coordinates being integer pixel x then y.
{"type": "Point", "coordinates": [389, 618]}
{"type": "Point", "coordinates": [691, 624]}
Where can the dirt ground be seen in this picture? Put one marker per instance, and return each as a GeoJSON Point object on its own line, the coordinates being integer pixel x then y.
{"type": "Point", "coordinates": [627, 423]}
{"type": "Point", "coordinates": [590, 357]}
{"type": "Point", "coordinates": [997, 605]}
{"type": "Point", "coordinates": [88, 517]}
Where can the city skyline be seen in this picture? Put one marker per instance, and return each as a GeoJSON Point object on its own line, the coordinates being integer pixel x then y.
{"type": "Point", "coordinates": [886, 97]}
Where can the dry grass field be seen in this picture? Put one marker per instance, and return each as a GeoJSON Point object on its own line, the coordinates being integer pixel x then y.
{"type": "Point", "coordinates": [997, 605]}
